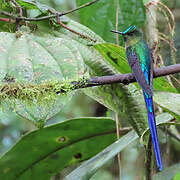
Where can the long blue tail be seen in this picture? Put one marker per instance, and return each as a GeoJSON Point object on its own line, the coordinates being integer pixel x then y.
{"type": "Point", "coordinates": [152, 126]}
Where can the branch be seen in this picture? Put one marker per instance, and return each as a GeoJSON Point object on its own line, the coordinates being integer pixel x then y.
{"type": "Point", "coordinates": [18, 6]}
{"type": "Point", "coordinates": [71, 30]}
{"type": "Point", "coordinates": [7, 20]}
{"type": "Point", "coordinates": [14, 90]}
{"type": "Point", "coordinates": [47, 17]}
{"type": "Point", "coordinates": [20, 13]}
{"type": "Point", "coordinates": [125, 78]}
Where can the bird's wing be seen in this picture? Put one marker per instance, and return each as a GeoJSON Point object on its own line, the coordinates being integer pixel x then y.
{"type": "Point", "coordinates": [139, 74]}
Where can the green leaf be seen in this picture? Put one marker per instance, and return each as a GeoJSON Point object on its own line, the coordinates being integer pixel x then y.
{"type": "Point", "coordinates": [175, 82]}
{"type": "Point", "coordinates": [177, 176]}
{"type": "Point", "coordinates": [43, 153]}
{"type": "Point", "coordinates": [36, 63]}
{"type": "Point", "coordinates": [115, 55]}
{"type": "Point", "coordinates": [101, 16]}
{"type": "Point", "coordinates": [169, 102]}
{"type": "Point", "coordinates": [86, 170]}
{"type": "Point", "coordinates": [7, 7]}
{"type": "Point", "coordinates": [28, 4]}
{"type": "Point", "coordinates": [168, 173]}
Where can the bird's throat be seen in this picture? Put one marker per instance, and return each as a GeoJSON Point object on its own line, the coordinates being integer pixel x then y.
{"type": "Point", "coordinates": [132, 41]}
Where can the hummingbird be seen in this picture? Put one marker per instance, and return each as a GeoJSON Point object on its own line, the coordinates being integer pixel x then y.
{"type": "Point", "coordinates": [140, 60]}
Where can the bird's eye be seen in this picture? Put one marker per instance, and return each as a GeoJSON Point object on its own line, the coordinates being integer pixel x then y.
{"type": "Point", "coordinates": [131, 34]}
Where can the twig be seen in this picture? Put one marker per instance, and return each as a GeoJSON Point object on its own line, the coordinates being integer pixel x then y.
{"type": "Point", "coordinates": [8, 14]}
{"type": "Point", "coordinates": [167, 40]}
{"type": "Point", "coordinates": [18, 6]}
{"type": "Point", "coordinates": [117, 21]}
{"type": "Point", "coordinates": [7, 20]}
{"type": "Point", "coordinates": [118, 136]}
{"type": "Point", "coordinates": [171, 44]}
{"type": "Point", "coordinates": [116, 114]}
{"type": "Point", "coordinates": [171, 15]}
{"type": "Point", "coordinates": [47, 17]}
{"type": "Point", "coordinates": [80, 7]}
{"type": "Point", "coordinates": [71, 30]}
{"type": "Point", "coordinates": [20, 13]}
{"type": "Point", "coordinates": [148, 160]}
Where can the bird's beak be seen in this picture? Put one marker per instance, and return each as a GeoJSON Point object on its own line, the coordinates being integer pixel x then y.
{"type": "Point", "coordinates": [117, 32]}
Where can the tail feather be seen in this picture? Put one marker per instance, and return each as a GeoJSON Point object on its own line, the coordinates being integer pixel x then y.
{"type": "Point", "coordinates": [152, 127]}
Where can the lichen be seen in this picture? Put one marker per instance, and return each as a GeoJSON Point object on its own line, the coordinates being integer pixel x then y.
{"type": "Point", "coordinates": [28, 93]}
{"type": "Point", "coordinates": [47, 91]}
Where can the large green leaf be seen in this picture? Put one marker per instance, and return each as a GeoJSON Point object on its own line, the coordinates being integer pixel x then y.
{"type": "Point", "coordinates": [101, 16]}
{"type": "Point", "coordinates": [115, 55]}
{"type": "Point", "coordinates": [86, 170]}
{"type": "Point", "coordinates": [43, 153]}
{"type": "Point", "coordinates": [36, 62]}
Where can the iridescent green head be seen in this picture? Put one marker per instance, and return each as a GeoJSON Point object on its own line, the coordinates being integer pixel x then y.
{"type": "Point", "coordinates": [131, 34]}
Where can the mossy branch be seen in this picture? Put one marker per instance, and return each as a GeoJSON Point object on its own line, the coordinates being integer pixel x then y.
{"type": "Point", "coordinates": [50, 89]}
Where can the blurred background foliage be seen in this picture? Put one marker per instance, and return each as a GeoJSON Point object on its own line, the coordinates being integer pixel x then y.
{"type": "Point", "coordinates": [12, 126]}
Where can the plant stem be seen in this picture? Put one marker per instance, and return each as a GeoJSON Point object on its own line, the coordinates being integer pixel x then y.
{"type": "Point", "coordinates": [71, 30]}
{"type": "Point", "coordinates": [148, 159]}
{"type": "Point", "coordinates": [118, 136]}
{"type": "Point", "coordinates": [117, 21]}
{"type": "Point", "coordinates": [20, 13]}
{"type": "Point", "coordinates": [47, 17]}
{"type": "Point", "coordinates": [116, 114]}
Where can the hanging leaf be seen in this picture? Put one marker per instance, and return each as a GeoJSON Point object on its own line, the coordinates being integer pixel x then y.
{"type": "Point", "coordinates": [31, 68]}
